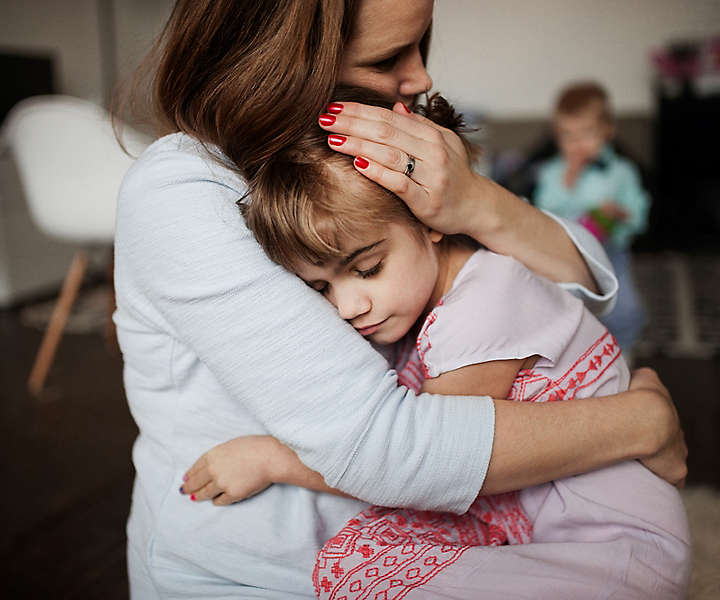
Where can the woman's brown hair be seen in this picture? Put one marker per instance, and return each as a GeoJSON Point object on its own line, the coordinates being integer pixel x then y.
{"type": "Point", "coordinates": [246, 76]}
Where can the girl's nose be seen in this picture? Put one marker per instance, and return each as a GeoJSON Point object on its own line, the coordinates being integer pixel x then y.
{"type": "Point", "coordinates": [350, 303]}
{"type": "Point", "coordinates": [415, 78]}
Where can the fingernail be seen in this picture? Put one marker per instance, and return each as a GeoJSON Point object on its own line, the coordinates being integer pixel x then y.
{"type": "Point", "coordinates": [407, 110]}
{"type": "Point", "coordinates": [336, 140]}
{"type": "Point", "coordinates": [326, 120]}
{"type": "Point", "coordinates": [192, 497]}
{"type": "Point", "coordinates": [185, 478]}
{"type": "Point", "coordinates": [361, 163]}
{"type": "Point", "coordinates": [335, 108]}
{"type": "Point", "coordinates": [182, 490]}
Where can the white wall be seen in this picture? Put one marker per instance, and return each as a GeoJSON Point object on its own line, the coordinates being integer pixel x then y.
{"type": "Point", "coordinates": [68, 29]}
{"type": "Point", "coordinates": [137, 23]}
{"type": "Point", "coordinates": [508, 58]}
{"type": "Point", "coordinates": [504, 57]}
{"type": "Point", "coordinates": [73, 31]}
{"type": "Point", "coordinates": [85, 37]}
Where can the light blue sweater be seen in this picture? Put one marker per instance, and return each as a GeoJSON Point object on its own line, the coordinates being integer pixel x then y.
{"type": "Point", "coordinates": [218, 342]}
{"type": "Point", "coordinates": [613, 179]}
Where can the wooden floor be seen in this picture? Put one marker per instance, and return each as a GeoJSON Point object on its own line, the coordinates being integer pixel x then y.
{"type": "Point", "coordinates": [66, 469]}
{"type": "Point", "coordinates": [67, 473]}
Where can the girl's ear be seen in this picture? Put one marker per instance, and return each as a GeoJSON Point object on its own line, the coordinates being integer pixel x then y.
{"type": "Point", "coordinates": [435, 236]}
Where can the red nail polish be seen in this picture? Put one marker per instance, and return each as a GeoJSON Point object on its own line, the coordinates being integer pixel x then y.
{"type": "Point", "coordinates": [337, 140]}
{"type": "Point", "coordinates": [185, 478]}
{"type": "Point", "coordinates": [407, 110]}
{"type": "Point", "coordinates": [192, 497]}
{"type": "Point", "coordinates": [361, 163]}
{"type": "Point", "coordinates": [335, 108]}
{"type": "Point", "coordinates": [326, 120]}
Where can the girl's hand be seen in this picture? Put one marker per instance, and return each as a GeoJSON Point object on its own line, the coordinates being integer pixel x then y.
{"type": "Point", "coordinates": [669, 460]}
{"type": "Point", "coordinates": [614, 211]}
{"type": "Point", "coordinates": [234, 470]}
{"type": "Point", "coordinates": [442, 191]}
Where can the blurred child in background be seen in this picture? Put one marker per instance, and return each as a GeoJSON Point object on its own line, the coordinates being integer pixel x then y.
{"type": "Point", "coordinates": [589, 183]}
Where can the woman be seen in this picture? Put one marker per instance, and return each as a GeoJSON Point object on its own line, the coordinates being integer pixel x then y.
{"type": "Point", "coordinates": [220, 342]}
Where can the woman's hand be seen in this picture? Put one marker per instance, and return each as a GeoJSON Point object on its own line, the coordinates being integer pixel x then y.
{"type": "Point", "coordinates": [445, 193]}
{"type": "Point", "coordinates": [442, 191]}
{"type": "Point", "coordinates": [669, 460]}
{"type": "Point", "coordinates": [234, 470]}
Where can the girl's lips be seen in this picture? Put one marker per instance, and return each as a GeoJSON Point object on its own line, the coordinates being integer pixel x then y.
{"type": "Point", "coordinates": [365, 331]}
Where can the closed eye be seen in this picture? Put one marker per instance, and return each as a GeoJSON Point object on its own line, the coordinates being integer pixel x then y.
{"type": "Point", "coordinates": [374, 270]}
{"type": "Point", "coordinates": [386, 64]}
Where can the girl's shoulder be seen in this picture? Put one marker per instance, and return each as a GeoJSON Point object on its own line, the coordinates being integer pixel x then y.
{"type": "Point", "coordinates": [497, 309]}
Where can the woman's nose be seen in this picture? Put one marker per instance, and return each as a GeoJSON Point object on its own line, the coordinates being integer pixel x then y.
{"type": "Point", "coordinates": [415, 78]}
{"type": "Point", "coordinates": [350, 303]}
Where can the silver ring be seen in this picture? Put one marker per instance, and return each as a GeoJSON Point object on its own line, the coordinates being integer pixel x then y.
{"type": "Point", "coordinates": [410, 165]}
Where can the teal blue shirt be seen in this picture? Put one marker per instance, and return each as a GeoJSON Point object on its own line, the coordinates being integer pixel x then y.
{"type": "Point", "coordinates": [611, 178]}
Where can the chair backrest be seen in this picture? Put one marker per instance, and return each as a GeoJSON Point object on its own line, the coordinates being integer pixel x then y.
{"type": "Point", "coordinates": [70, 165]}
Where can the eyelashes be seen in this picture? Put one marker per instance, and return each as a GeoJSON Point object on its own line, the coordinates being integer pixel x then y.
{"type": "Point", "coordinates": [371, 271]}
{"type": "Point", "coordinates": [387, 64]}
{"type": "Point", "coordinates": [323, 287]}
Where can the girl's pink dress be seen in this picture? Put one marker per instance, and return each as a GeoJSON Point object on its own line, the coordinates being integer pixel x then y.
{"type": "Point", "coordinates": [497, 309]}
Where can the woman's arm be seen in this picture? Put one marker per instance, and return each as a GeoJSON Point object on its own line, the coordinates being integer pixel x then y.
{"type": "Point", "coordinates": [534, 443]}
{"type": "Point", "coordinates": [448, 195]}
{"type": "Point", "coordinates": [244, 466]}
{"type": "Point", "coordinates": [587, 434]}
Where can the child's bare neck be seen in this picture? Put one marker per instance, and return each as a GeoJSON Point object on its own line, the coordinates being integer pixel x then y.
{"type": "Point", "coordinates": [452, 258]}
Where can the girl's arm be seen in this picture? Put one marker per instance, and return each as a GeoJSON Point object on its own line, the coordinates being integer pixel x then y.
{"type": "Point", "coordinates": [493, 378]}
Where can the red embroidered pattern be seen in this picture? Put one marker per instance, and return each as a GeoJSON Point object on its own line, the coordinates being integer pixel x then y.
{"type": "Point", "coordinates": [423, 344]}
{"type": "Point", "coordinates": [531, 386]}
{"type": "Point", "coordinates": [385, 553]}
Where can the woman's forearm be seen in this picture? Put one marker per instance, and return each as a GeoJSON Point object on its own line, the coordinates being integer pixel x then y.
{"type": "Point", "coordinates": [508, 225]}
{"type": "Point", "coordinates": [536, 443]}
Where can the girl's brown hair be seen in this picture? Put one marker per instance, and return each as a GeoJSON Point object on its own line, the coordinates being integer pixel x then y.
{"type": "Point", "coordinates": [246, 76]}
{"type": "Point", "coordinates": [307, 199]}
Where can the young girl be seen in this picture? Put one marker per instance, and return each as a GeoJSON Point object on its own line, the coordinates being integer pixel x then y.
{"type": "Point", "coordinates": [452, 319]}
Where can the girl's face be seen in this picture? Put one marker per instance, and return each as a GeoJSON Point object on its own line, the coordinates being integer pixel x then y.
{"type": "Point", "coordinates": [383, 285]}
{"type": "Point", "coordinates": [383, 52]}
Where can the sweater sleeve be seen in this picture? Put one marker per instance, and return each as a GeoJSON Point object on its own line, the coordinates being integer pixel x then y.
{"type": "Point", "coordinates": [187, 265]}
{"type": "Point", "coordinates": [600, 267]}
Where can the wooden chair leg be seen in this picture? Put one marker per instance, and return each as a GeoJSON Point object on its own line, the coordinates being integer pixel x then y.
{"type": "Point", "coordinates": [57, 323]}
{"type": "Point", "coordinates": [111, 341]}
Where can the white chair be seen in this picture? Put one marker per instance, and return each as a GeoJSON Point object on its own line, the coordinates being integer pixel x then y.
{"type": "Point", "coordinates": [70, 166]}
